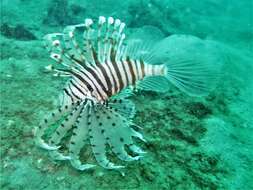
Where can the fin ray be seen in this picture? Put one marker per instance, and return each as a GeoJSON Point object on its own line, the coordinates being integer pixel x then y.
{"type": "Point", "coordinates": [124, 107]}
{"type": "Point", "coordinates": [140, 45]}
{"type": "Point", "coordinates": [98, 141]}
{"type": "Point", "coordinates": [77, 141]}
{"type": "Point", "coordinates": [154, 83]}
{"type": "Point", "coordinates": [119, 133]}
{"type": "Point", "coordinates": [193, 65]}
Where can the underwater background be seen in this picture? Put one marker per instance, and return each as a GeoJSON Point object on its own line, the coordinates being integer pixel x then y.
{"type": "Point", "coordinates": [192, 143]}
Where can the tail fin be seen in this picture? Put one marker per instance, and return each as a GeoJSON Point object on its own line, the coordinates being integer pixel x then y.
{"type": "Point", "coordinates": [193, 65]}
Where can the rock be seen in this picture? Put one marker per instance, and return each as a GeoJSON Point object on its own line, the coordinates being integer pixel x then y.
{"type": "Point", "coordinates": [57, 13]}
{"type": "Point", "coordinates": [76, 9]}
{"type": "Point", "coordinates": [18, 32]}
{"type": "Point", "coordinates": [199, 110]}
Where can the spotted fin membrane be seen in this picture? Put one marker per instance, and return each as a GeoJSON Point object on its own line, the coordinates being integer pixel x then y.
{"type": "Point", "coordinates": [100, 125]}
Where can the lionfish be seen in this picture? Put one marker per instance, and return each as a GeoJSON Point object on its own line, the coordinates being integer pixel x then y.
{"type": "Point", "coordinates": [104, 67]}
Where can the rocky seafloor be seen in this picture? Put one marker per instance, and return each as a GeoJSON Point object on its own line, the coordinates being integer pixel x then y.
{"type": "Point", "coordinates": [192, 143]}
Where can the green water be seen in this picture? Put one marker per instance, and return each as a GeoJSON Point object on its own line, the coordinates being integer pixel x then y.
{"type": "Point", "coordinates": [192, 143]}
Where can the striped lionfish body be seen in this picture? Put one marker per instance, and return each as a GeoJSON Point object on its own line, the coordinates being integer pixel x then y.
{"type": "Point", "coordinates": [103, 68]}
{"type": "Point", "coordinates": [94, 104]}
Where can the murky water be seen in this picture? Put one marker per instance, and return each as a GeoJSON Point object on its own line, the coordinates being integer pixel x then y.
{"type": "Point", "coordinates": [191, 142]}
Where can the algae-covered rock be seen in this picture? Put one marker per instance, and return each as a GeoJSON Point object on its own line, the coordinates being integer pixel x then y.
{"type": "Point", "coordinates": [18, 32]}
{"type": "Point", "coordinates": [57, 13]}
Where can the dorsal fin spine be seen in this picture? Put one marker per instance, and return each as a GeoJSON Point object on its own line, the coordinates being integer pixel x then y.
{"type": "Point", "coordinates": [100, 25]}
{"type": "Point", "coordinates": [71, 35]}
{"type": "Point", "coordinates": [117, 35]}
{"type": "Point", "coordinates": [69, 39]}
{"type": "Point", "coordinates": [105, 45]}
{"type": "Point", "coordinates": [120, 37]}
{"type": "Point", "coordinates": [121, 27]}
{"type": "Point", "coordinates": [48, 41]}
{"type": "Point", "coordinates": [120, 48]}
{"type": "Point", "coordinates": [109, 42]}
{"type": "Point", "coordinates": [87, 38]}
{"type": "Point", "coordinates": [56, 44]}
{"type": "Point", "coordinates": [99, 43]}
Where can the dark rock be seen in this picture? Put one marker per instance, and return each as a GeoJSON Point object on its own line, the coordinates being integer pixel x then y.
{"type": "Point", "coordinates": [147, 16]}
{"type": "Point", "coordinates": [57, 13]}
{"type": "Point", "coordinates": [199, 110]}
{"type": "Point", "coordinates": [180, 135]}
{"type": "Point", "coordinates": [76, 9]}
{"type": "Point", "coordinates": [18, 32]}
{"type": "Point", "coordinates": [148, 175]}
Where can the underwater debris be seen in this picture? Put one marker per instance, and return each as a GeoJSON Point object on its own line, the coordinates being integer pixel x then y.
{"type": "Point", "coordinates": [18, 32]}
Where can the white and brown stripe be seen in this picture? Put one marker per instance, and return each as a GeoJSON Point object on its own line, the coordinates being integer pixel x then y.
{"type": "Point", "coordinates": [109, 78]}
{"type": "Point", "coordinates": [106, 70]}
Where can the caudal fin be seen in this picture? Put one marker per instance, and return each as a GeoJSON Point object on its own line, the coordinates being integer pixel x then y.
{"type": "Point", "coordinates": [193, 65]}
